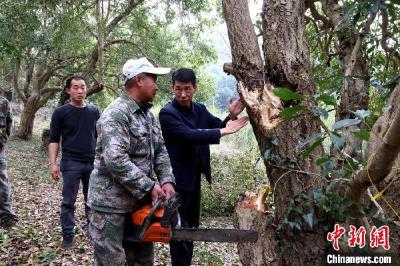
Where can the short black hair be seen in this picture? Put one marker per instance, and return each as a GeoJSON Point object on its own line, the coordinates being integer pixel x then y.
{"type": "Point", "coordinates": [184, 75]}
{"type": "Point", "coordinates": [71, 78]}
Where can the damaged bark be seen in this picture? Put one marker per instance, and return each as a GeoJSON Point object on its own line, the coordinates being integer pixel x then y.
{"type": "Point", "coordinates": [286, 65]}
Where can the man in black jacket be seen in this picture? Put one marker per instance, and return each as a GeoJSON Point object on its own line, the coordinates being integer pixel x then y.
{"type": "Point", "coordinates": [188, 129]}
{"type": "Point", "coordinates": [75, 123]}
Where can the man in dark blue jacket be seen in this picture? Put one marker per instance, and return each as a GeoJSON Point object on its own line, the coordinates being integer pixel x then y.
{"type": "Point", "coordinates": [188, 129]}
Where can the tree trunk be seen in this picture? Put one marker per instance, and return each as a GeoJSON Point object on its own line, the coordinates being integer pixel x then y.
{"type": "Point", "coordinates": [265, 251]}
{"type": "Point", "coordinates": [28, 117]}
{"type": "Point", "coordinates": [45, 139]}
{"type": "Point", "coordinates": [383, 158]}
{"type": "Point", "coordinates": [286, 58]}
{"type": "Point", "coordinates": [391, 184]}
{"type": "Point", "coordinates": [286, 65]}
{"type": "Point", "coordinates": [354, 95]}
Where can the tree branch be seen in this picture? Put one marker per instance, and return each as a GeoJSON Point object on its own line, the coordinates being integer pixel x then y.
{"type": "Point", "coordinates": [29, 72]}
{"type": "Point", "coordinates": [15, 81]}
{"type": "Point", "coordinates": [360, 39]}
{"type": "Point", "coordinates": [45, 98]}
{"type": "Point", "coordinates": [131, 5]}
{"type": "Point", "coordinates": [51, 89]}
{"type": "Point", "coordinates": [386, 35]}
{"type": "Point", "coordinates": [94, 89]}
{"type": "Point", "coordinates": [118, 41]}
{"type": "Point", "coordinates": [314, 12]}
{"type": "Point", "coordinates": [44, 78]}
{"type": "Point", "coordinates": [380, 162]}
{"type": "Point", "coordinates": [246, 54]}
{"type": "Point", "coordinates": [228, 69]}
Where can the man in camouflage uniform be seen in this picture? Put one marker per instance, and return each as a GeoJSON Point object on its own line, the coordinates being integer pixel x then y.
{"type": "Point", "coordinates": [129, 148]}
{"type": "Point", "coordinates": [7, 218]}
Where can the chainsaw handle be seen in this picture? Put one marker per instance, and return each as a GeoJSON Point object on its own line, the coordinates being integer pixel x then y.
{"type": "Point", "coordinates": [149, 217]}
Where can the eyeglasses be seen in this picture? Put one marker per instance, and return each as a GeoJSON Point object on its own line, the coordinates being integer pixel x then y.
{"type": "Point", "coordinates": [185, 90]}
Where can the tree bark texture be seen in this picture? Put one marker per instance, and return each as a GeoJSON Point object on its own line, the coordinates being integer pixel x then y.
{"type": "Point", "coordinates": [28, 117]}
{"type": "Point", "coordinates": [391, 184]}
{"type": "Point", "coordinates": [265, 251]}
{"type": "Point", "coordinates": [286, 65]}
{"type": "Point", "coordinates": [354, 95]}
{"type": "Point", "coordinates": [382, 159]}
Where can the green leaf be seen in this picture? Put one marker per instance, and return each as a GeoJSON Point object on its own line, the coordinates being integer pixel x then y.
{"type": "Point", "coordinates": [274, 141]}
{"type": "Point", "coordinates": [338, 142]}
{"type": "Point", "coordinates": [392, 82]}
{"type": "Point", "coordinates": [350, 80]}
{"type": "Point", "coordinates": [346, 123]}
{"type": "Point", "coordinates": [291, 112]}
{"type": "Point", "coordinates": [285, 94]}
{"type": "Point", "coordinates": [365, 89]}
{"type": "Point", "coordinates": [362, 134]}
{"type": "Point", "coordinates": [322, 160]}
{"type": "Point", "coordinates": [396, 2]}
{"type": "Point", "coordinates": [351, 164]}
{"type": "Point", "coordinates": [362, 113]}
{"type": "Point", "coordinates": [308, 151]}
{"type": "Point", "coordinates": [327, 99]}
{"type": "Point", "coordinates": [267, 154]}
{"type": "Point", "coordinates": [346, 203]}
{"type": "Point", "coordinates": [297, 210]}
{"type": "Point", "coordinates": [311, 138]}
{"type": "Point", "coordinates": [327, 167]}
{"type": "Point", "coordinates": [353, 214]}
{"type": "Point", "coordinates": [320, 112]}
{"type": "Point", "coordinates": [294, 225]}
{"type": "Point", "coordinates": [309, 218]}
{"type": "Point", "coordinates": [378, 222]}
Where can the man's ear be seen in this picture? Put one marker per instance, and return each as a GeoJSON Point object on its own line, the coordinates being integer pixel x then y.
{"type": "Point", "coordinates": [195, 88]}
{"type": "Point", "coordinates": [139, 80]}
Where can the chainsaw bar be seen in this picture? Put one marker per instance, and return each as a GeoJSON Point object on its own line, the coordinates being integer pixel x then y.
{"type": "Point", "coordinates": [214, 235]}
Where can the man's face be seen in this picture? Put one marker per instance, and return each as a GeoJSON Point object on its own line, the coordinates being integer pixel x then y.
{"type": "Point", "coordinates": [148, 87]}
{"type": "Point", "coordinates": [184, 92]}
{"type": "Point", "coordinates": [77, 90]}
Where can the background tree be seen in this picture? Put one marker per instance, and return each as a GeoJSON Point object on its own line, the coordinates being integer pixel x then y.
{"type": "Point", "coordinates": [53, 40]}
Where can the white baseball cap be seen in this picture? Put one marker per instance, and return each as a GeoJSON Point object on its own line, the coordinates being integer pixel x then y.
{"type": "Point", "coordinates": [133, 67]}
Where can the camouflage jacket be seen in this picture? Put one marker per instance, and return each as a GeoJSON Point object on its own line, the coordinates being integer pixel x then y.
{"type": "Point", "coordinates": [5, 121]}
{"type": "Point", "coordinates": [129, 148]}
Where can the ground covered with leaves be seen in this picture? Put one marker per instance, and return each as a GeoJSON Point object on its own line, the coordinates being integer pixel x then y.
{"type": "Point", "coordinates": [36, 239]}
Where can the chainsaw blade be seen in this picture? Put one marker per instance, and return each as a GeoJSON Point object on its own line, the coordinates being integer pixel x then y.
{"type": "Point", "coordinates": [214, 235]}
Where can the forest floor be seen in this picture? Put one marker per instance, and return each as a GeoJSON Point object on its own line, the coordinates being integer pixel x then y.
{"type": "Point", "coordinates": [36, 239]}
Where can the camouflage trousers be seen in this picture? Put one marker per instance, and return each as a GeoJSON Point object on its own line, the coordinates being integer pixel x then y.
{"type": "Point", "coordinates": [107, 232]}
{"type": "Point", "coordinates": [5, 191]}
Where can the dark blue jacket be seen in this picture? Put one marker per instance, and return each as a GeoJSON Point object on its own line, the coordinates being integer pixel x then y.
{"type": "Point", "coordinates": [187, 133]}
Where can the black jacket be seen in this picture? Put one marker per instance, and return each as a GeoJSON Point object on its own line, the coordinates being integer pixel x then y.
{"type": "Point", "coordinates": [187, 133]}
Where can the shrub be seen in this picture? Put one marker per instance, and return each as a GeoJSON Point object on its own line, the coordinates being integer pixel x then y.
{"type": "Point", "coordinates": [232, 175]}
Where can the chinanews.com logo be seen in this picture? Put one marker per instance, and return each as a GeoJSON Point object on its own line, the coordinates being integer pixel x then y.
{"type": "Point", "coordinates": [358, 238]}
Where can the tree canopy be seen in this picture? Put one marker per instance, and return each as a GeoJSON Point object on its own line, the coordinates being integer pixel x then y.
{"type": "Point", "coordinates": [41, 43]}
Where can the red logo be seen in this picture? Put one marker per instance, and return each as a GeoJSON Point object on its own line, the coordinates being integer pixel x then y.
{"type": "Point", "coordinates": [357, 237]}
{"type": "Point", "coordinates": [378, 237]}
{"type": "Point", "coordinates": [335, 235]}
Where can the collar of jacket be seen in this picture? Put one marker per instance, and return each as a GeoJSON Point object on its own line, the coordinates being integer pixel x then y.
{"type": "Point", "coordinates": [135, 106]}
{"type": "Point", "coordinates": [186, 110]}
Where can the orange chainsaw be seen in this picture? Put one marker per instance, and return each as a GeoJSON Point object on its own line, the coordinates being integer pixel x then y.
{"type": "Point", "coordinates": [161, 223]}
